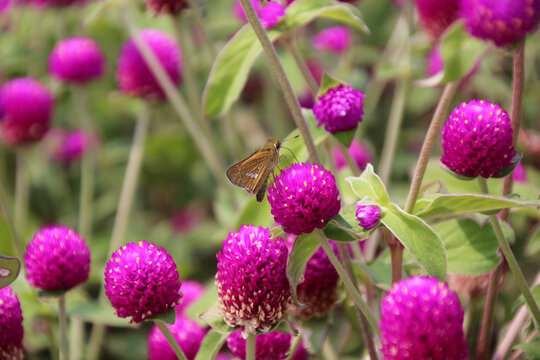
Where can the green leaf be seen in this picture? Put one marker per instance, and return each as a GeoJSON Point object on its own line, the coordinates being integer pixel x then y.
{"type": "Point", "coordinates": [458, 204]}
{"type": "Point", "coordinates": [471, 248]}
{"type": "Point", "coordinates": [283, 327]}
{"type": "Point", "coordinates": [379, 271]}
{"type": "Point", "coordinates": [507, 170]}
{"type": "Point", "coordinates": [255, 213]}
{"type": "Point", "coordinates": [419, 238]}
{"type": "Point", "coordinates": [349, 215]}
{"type": "Point", "coordinates": [328, 81]}
{"type": "Point", "coordinates": [459, 51]}
{"type": "Point", "coordinates": [346, 137]}
{"type": "Point", "coordinates": [370, 185]}
{"type": "Point", "coordinates": [230, 70]}
{"type": "Point", "coordinates": [338, 229]}
{"type": "Point", "coordinates": [535, 292]}
{"type": "Point", "coordinates": [232, 65]}
{"type": "Point", "coordinates": [301, 12]}
{"type": "Point", "coordinates": [50, 294]}
{"type": "Point", "coordinates": [211, 344]}
{"type": "Point", "coordinates": [9, 270]}
{"type": "Point", "coordinates": [168, 317]}
{"type": "Point", "coordinates": [213, 318]}
{"type": "Point", "coordinates": [98, 313]}
{"type": "Point", "coordinates": [532, 349]}
{"type": "Point", "coordinates": [304, 247]}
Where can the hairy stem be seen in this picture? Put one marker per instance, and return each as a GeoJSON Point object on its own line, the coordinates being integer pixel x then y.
{"type": "Point", "coordinates": [284, 83]}
{"type": "Point", "coordinates": [62, 323]}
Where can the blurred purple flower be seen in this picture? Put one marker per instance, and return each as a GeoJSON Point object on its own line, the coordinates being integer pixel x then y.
{"type": "Point", "coordinates": [141, 280]}
{"type": "Point", "coordinates": [11, 319]}
{"type": "Point", "coordinates": [272, 346]}
{"type": "Point", "coordinates": [57, 258]}
{"type": "Point", "coordinates": [186, 332]}
{"type": "Point", "coordinates": [437, 15]}
{"type": "Point", "coordinates": [26, 106]}
{"type": "Point", "coordinates": [340, 108]}
{"type": "Point", "coordinates": [133, 74]}
{"type": "Point", "coordinates": [270, 13]}
{"type": "Point", "coordinates": [359, 152]}
{"type": "Point", "coordinates": [501, 21]}
{"type": "Point", "coordinates": [477, 139]}
{"type": "Point", "coordinates": [71, 146]}
{"type": "Point", "coordinates": [304, 197]}
{"type": "Point", "coordinates": [166, 6]}
{"type": "Point", "coordinates": [520, 173]}
{"type": "Point", "coordinates": [421, 318]}
{"type": "Point", "coordinates": [251, 281]}
{"type": "Point", "coordinates": [76, 60]}
{"type": "Point", "coordinates": [191, 292]}
{"type": "Point", "coordinates": [336, 39]}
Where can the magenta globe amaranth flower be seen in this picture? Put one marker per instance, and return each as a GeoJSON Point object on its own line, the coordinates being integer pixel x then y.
{"type": "Point", "coordinates": [336, 39]}
{"type": "Point", "coordinates": [71, 146]}
{"type": "Point", "coordinates": [318, 292]}
{"type": "Point", "coordinates": [501, 21]}
{"type": "Point", "coordinates": [304, 197]}
{"type": "Point", "coordinates": [57, 258]}
{"type": "Point", "coordinates": [272, 346]}
{"type": "Point", "coordinates": [191, 292]}
{"type": "Point", "coordinates": [166, 6]}
{"type": "Point", "coordinates": [368, 216]}
{"type": "Point", "coordinates": [133, 74]}
{"type": "Point", "coordinates": [76, 60]}
{"type": "Point", "coordinates": [271, 13]}
{"type": "Point", "coordinates": [520, 174]}
{"type": "Point", "coordinates": [26, 108]}
{"type": "Point", "coordinates": [437, 15]}
{"type": "Point", "coordinates": [477, 139]}
{"type": "Point", "coordinates": [358, 151]}
{"type": "Point", "coordinates": [340, 108]}
{"type": "Point", "coordinates": [142, 280]}
{"type": "Point", "coordinates": [421, 318]}
{"type": "Point", "coordinates": [252, 286]}
{"type": "Point", "coordinates": [186, 332]}
{"type": "Point", "coordinates": [12, 332]}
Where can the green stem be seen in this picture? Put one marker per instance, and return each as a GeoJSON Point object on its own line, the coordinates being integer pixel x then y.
{"type": "Point", "coordinates": [76, 331]}
{"type": "Point", "coordinates": [351, 163]}
{"type": "Point", "coordinates": [434, 128]}
{"type": "Point", "coordinates": [170, 338]}
{"type": "Point", "coordinates": [122, 213]}
{"type": "Point", "coordinates": [284, 83]}
{"type": "Point", "coordinates": [366, 333]}
{"type": "Point", "coordinates": [87, 167]}
{"type": "Point", "coordinates": [299, 60]}
{"type": "Point", "coordinates": [250, 346]}
{"type": "Point", "coordinates": [511, 260]}
{"type": "Point", "coordinates": [393, 129]}
{"type": "Point", "coordinates": [20, 210]}
{"type": "Point", "coordinates": [396, 255]}
{"type": "Point", "coordinates": [349, 285]}
{"type": "Point", "coordinates": [62, 323]}
{"type": "Point", "coordinates": [202, 26]}
{"type": "Point", "coordinates": [297, 340]}
{"type": "Point", "coordinates": [205, 144]}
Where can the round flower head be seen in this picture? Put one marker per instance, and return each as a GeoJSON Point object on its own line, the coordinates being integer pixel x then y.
{"type": "Point", "coordinates": [166, 6]}
{"type": "Point", "coordinates": [421, 318]}
{"type": "Point", "coordinates": [72, 145]}
{"type": "Point", "coordinates": [271, 13]}
{"type": "Point", "coordinates": [368, 216]}
{"type": "Point", "coordinates": [272, 346]}
{"type": "Point", "coordinates": [318, 291]}
{"type": "Point", "coordinates": [26, 107]}
{"type": "Point", "coordinates": [186, 332]}
{"type": "Point", "coordinates": [501, 21]}
{"type": "Point", "coordinates": [477, 139]}
{"type": "Point", "coordinates": [434, 61]}
{"type": "Point", "coordinates": [336, 39]}
{"type": "Point", "coordinates": [303, 197]}
{"type": "Point", "coordinates": [11, 319]}
{"type": "Point", "coordinates": [520, 174]}
{"type": "Point", "coordinates": [57, 258]}
{"type": "Point", "coordinates": [142, 280]}
{"type": "Point", "coordinates": [134, 76]}
{"type": "Point", "coordinates": [76, 60]}
{"type": "Point", "coordinates": [437, 15]}
{"type": "Point", "coordinates": [359, 152]}
{"type": "Point", "coordinates": [251, 281]}
{"type": "Point", "coordinates": [192, 291]}
{"type": "Point", "coordinates": [340, 108]}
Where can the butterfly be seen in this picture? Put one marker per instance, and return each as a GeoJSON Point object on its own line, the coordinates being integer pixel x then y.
{"type": "Point", "coordinates": [253, 172]}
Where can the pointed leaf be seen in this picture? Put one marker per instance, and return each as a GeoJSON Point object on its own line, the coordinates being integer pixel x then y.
{"type": "Point", "coordinates": [9, 270]}
{"type": "Point", "coordinates": [338, 229]}
{"type": "Point", "coordinates": [168, 317]}
{"type": "Point", "coordinates": [370, 185]}
{"type": "Point", "coordinates": [211, 344]}
{"type": "Point", "coordinates": [458, 204]}
{"type": "Point", "coordinates": [419, 238]}
{"type": "Point", "coordinates": [531, 349]}
{"type": "Point", "coordinates": [328, 81]}
{"type": "Point", "coordinates": [346, 137]}
{"type": "Point", "coordinates": [213, 318]}
{"type": "Point", "coordinates": [459, 51]}
{"type": "Point", "coordinates": [471, 248]}
{"type": "Point", "coordinates": [303, 249]}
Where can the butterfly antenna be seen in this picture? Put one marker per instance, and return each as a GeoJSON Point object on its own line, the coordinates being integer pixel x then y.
{"type": "Point", "coordinates": [283, 147]}
{"type": "Point", "coordinates": [294, 137]}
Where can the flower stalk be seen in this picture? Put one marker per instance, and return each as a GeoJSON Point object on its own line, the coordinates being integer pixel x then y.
{"type": "Point", "coordinates": [170, 338]}
{"type": "Point", "coordinates": [250, 346]}
{"type": "Point", "coordinates": [62, 322]}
